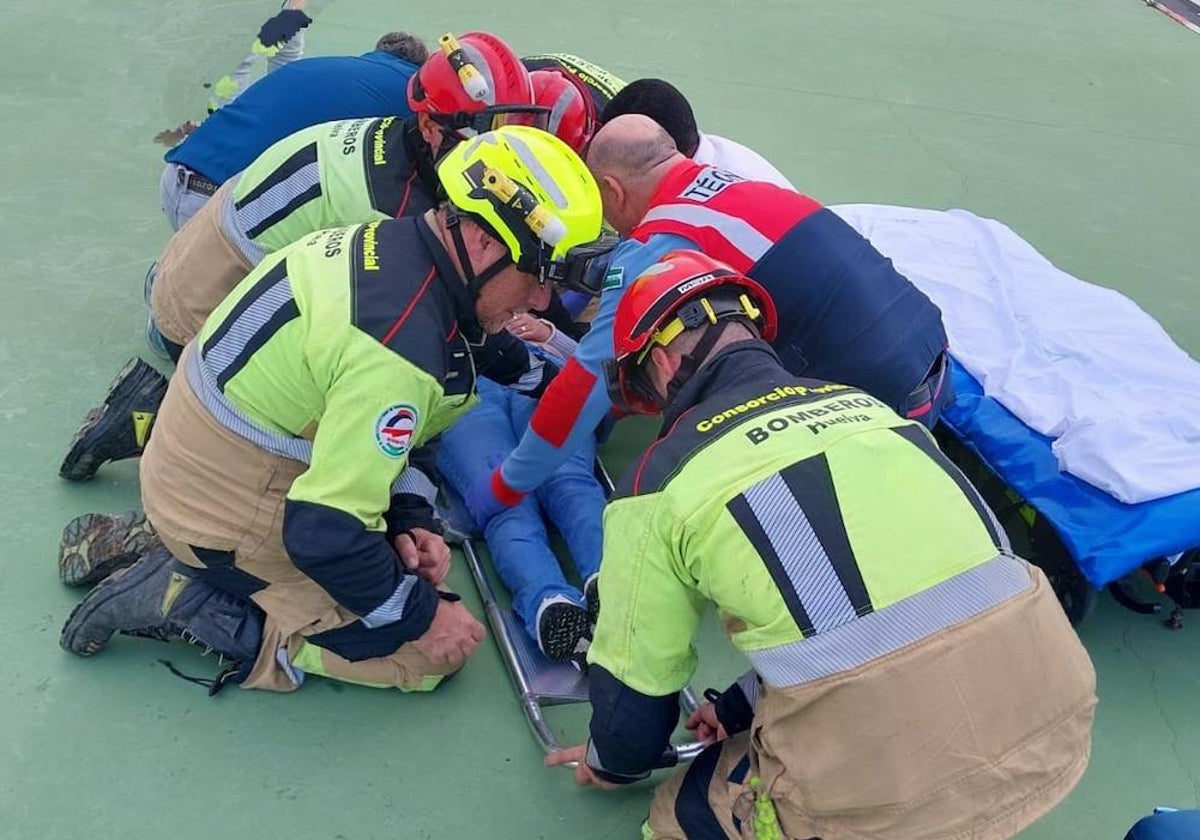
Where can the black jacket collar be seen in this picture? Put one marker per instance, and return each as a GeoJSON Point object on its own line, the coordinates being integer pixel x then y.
{"type": "Point", "coordinates": [422, 159]}
{"type": "Point", "coordinates": [730, 367]}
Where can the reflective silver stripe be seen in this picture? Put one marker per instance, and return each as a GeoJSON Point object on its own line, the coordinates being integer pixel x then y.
{"type": "Point", "coordinates": [740, 233]}
{"type": "Point", "coordinates": [251, 250]}
{"type": "Point", "coordinates": [560, 106]}
{"type": "Point", "coordinates": [748, 683]}
{"type": "Point", "coordinates": [800, 553]}
{"type": "Point", "coordinates": [204, 384]}
{"type": "Point", "coordinates": [294, 674]}
{"type": "Point", "coordinates": [226, 351]}
{"type": "Point", "coordinates": [592, 759]}
{"type": "Point", "coordinates": [540, 174]}
{"type": "Point", "coordinates": [393, 608]}
{"type": "Point", "coordinates": [531, 378]}
{"type": "Point", "coordinates": [416, 483]}
{"type": "Point", "coordinates": [891, 628]}
{"type": "Point", "coordinates": [278, 197]}
{"type": "Point", "coordinates": [489, 138]}
{"type": "Point", "coordinates": [485, 70]}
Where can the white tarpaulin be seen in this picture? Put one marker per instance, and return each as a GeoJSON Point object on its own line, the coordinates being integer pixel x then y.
{"type": "Point", "coordinates": [1079, 363]}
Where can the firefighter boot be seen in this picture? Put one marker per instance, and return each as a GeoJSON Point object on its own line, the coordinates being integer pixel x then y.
{"type": "Point", "coordinates": [119, 427]}
{"type": "Point", "coordinates": [160, 598]}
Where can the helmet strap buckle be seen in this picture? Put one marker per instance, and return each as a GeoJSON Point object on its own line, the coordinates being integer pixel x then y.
{"type": "Point", "coordinates": [689, 363]}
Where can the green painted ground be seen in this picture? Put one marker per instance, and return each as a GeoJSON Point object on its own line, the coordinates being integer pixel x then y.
{"type": "Point", "coordinates": [1074, 122]}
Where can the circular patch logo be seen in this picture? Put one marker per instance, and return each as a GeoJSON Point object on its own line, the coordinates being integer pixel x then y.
{"type": "Point", "coordinates": [394, 430]}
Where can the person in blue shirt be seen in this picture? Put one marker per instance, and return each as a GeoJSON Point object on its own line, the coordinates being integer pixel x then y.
{"type": "Point", "coordinates": [295, 96]}
{"type": "Point", "coordinates": [847, 314]}
{"type": "Point", "coordinates": [1167, 824]}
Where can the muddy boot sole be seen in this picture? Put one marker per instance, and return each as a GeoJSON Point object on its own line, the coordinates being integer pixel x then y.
{"type": "Point", "coordinates": [96, 544]}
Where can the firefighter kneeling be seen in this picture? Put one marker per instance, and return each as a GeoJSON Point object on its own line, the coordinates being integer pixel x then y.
{"type": "Point", "coordinates": [282, 440]}
{"type": "Point", "coordinates": [911, 677]}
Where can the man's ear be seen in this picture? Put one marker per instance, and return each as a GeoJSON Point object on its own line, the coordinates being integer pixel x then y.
{"type": "Point", "coordinates": [614, 189]}
{"type": "Point", "coordinates": [482, 242]}
{"type": "Point", "coordinates": [431, 132]}
{"type": "Point", "coordinates": [663, 367]}
{"type": "Point", "coordinates": [612, 200]}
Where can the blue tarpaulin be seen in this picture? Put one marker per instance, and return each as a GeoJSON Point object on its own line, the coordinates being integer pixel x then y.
{"type": "Point", "coordinates": [1107, 538]}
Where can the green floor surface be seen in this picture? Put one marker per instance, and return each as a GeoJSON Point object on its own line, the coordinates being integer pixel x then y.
{"type": "Point", "coordinates": [1074, 122]}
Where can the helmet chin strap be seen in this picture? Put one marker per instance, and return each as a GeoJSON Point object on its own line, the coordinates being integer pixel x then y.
{"type": "Point", "coordinates": [691, 362]}
{"type": "Point", "coordinates": [475, 282]}
{"type": "Point", "coordinates": [449, 141]}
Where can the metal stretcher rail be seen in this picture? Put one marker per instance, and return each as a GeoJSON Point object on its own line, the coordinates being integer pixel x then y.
{"type": "Point", "coordinates": [538, 681]}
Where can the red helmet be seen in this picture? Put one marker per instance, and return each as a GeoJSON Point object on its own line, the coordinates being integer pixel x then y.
{"type": "Point", "coordinates": [572, 109]}
{"type": "Point", "coordinates": [671, 296]}
{"type": "Point", "coordinates": [472, 85]}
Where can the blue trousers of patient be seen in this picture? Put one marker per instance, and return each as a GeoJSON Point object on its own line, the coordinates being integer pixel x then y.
{"type": "Point", "coordinates": [517, 539]}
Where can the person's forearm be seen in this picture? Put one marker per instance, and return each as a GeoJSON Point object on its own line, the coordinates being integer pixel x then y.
{"type": "Point", "coordinates": [560, 344]}
{"type": "Point", "coordinates": [629, 730]}
{"type": "Point", "coordinates": [567, 415]}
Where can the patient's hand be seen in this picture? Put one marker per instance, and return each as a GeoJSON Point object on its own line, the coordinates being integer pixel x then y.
{"type": "Point", "coordinates": [528, 328]}
{"type": "Point", "coordinates": [424, 553]}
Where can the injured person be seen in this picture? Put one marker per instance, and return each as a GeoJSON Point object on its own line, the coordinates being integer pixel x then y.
{"type": "Point", "coordinates": [556, 614]}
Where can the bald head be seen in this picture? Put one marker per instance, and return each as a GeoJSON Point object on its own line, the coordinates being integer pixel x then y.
{"type": "Point", "coordinates": [629, 157]}
{"type": "Point", "coordinates": [630, 146]}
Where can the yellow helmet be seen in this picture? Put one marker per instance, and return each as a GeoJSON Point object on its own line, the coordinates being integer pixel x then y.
{"type": "Point", "coordinates": [530, 189]}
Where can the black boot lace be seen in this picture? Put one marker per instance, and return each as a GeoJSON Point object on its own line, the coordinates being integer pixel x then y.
{"type": "Point", "coordinates": [227, 675]}
{"type": "Point", "coordinates": [232, 672]}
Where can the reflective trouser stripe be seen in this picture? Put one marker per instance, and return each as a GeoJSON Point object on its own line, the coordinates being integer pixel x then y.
{"type": "Point", "coordinates": [310, 659]}
{"type": "Point", "coordinates": [895, 626]}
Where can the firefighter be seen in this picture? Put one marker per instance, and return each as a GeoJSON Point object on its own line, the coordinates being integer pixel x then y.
{"type": "Point", "coordinates": [279, 446]}
{"type": "Point", "coordinates": [328, 175]}
{"type": "Point", "coordinates": [911, 679]}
